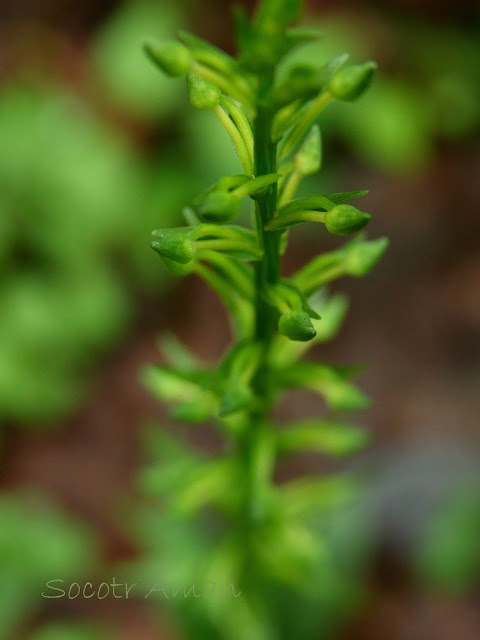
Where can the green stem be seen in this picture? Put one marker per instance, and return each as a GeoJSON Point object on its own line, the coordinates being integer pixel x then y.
{"type": "Point", "coordinates": [258, 456]}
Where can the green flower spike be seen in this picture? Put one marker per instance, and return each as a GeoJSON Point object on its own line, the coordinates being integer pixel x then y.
{"type": "Point", "coordinates": [269, 106]}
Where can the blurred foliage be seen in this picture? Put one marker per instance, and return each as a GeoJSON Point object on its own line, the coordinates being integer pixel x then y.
{"type": "Point", "coordinates": [447, 557]}
{"type": "Point", "coordinates": [69, 631]}
{"type": "Point", "coordinates": [119, 64]}
{"type": "Point", "coordinates": [37, 544]}
{"type": "Point", "coordinates": [308, 577]}
{"type": "Point", "coordinates": [433, 91]}
{"type": "Point", "coordinates": [75, 198]}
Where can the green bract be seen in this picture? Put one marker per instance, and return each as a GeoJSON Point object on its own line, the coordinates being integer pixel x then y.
{"type": "Point", "coordinates": [271, 119]}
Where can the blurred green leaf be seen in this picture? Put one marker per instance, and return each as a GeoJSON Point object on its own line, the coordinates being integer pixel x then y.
{"type": "Point", "coordinates": [324, 436]}
{"type": "Point", "coordinates": [120, 62]}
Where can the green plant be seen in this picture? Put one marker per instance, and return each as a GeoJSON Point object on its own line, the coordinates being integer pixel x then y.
{"type": "Point", "coordinates": [268, 536]}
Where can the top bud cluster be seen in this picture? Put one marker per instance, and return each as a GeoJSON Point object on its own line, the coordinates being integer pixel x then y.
{"type": "Point", "coordinates": [272, 124]}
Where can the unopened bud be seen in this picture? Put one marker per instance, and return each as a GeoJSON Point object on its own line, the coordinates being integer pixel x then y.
{"type": "Point", "coordinates": [174, 244]}
{"type": "Point", "coordinates": [173, 58]}
{"type": "Point", "coordinates": [203, 94]}
{"type": "Point", "coordinates": [297, 326]}
{"type": "Point", "coordinates": [349, 84]}
{"type": "Point", "coordinates": [345, 219]}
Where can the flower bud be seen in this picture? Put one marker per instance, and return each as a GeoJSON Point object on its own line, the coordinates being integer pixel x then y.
{"type": "Point", "coordinates": [349, 84]}
{"type": "Point", "coordinates": [344, 219]}
{"type": "Point", "coordinates": [362, 256]}
{"type": "Point", "coordinates": [219, 206]}
{"type": "Point", "coordinates": [297, 326]}
{"type": "Point", "coordinates": [203, 94]}
{"type": "Point", "coordinates": [172, 58]}
{"type": "Point", "coordinates": [174, 244]}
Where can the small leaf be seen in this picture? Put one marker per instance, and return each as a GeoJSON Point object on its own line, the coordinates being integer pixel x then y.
{"type": "Point", "coordinates": [177, 354]}
{"type": "Point", "coordinates": [327, 381]}
{"type": "Point", "coordinates": [311, 495]}
{"type": "Point", "coordinates": [361, 256]}
{"type": "Point", "coordinates": [213, 482]}
{"type": "Point", "coordinates": [182, 386]}
{"type": "Point", "coordinates": [333, 312]}
{"type": "Point", "coordinates": [324, 436]}
{"type": "Point", "coordinates": [340, 198]}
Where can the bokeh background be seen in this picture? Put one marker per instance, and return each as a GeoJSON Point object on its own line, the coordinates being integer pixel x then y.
{"type": "Point", "coordinates": [96, 150]}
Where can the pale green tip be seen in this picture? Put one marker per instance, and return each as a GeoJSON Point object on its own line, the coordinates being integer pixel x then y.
{"type": "Point", "coordinates": [173, 58]}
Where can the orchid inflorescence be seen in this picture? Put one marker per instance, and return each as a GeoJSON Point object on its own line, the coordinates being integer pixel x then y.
{"type": "Point", "coordinates": [271, 118]}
